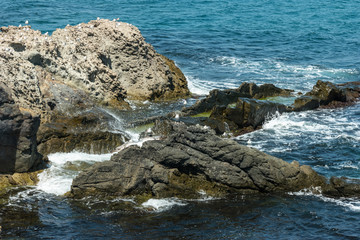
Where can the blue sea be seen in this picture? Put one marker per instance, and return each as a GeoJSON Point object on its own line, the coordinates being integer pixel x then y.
{"type": "Point", "coordinates": [217, 44]}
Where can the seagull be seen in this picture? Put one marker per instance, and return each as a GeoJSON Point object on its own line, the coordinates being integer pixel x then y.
{"type": "Point", "coordinates": [46, 33]}
{"type": "Point", "coordinates": [26, 22]}
{"type": "Point", "coordinates": [20, 25]}
{"type": "Point", "coordinates": [98, 18]}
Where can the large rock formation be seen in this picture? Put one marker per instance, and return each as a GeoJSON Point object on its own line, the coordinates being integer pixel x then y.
{"type": "Point", "coordinates": [18, 152]}
{"type": "Point", "coordinates": [100, 62]}
{"type": "Point", "coordinates": [79, 68]}
{"type": "Point", "coordinates": [190, 160]}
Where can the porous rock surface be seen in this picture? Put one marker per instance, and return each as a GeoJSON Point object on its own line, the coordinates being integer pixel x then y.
{"type": "Point", "coordinates": [97, 62]}
{"type": "Point", "coordinates": [189, 160]}
{"type": "Point", "coordinates": [18, 147]}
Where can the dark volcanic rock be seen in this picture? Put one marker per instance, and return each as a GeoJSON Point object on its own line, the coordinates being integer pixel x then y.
{"type": "Point", "coordinates": [327, 92]}
{"type": "Point", "coordinates": [18, 151]}
{"type": "Point", "coordinates": [246, 113]}
{"type": "Point", "coordinates": [305, 103]}
{"type": "Point", "coordinates": [328, 95]}
{"type": "Point", "coordinates": [224, 97]}
{"type": "Point", "coordinates": [352, 90]}
{"type": "Point", "coordinates": [189, 160]}
{"type": "Point", "coordinates": [342, 187]}
{"type": "Point", "coordinates": [265, 90]}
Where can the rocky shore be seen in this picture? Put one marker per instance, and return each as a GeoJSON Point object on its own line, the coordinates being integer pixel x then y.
{"type": "Point", "coordinates": [190, 160]}
{"type": "Point", "coordinates": [56, 92]}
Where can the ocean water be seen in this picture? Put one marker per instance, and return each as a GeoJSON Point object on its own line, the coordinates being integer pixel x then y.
{"type": "Point", "coordinates": [217, 44]}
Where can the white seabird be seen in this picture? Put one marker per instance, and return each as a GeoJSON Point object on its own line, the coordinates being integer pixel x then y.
{"type": "Point", "coordinates": [26, 22]}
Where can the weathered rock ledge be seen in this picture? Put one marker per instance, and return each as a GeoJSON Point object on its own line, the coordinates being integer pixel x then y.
{"type": "Point", "coordinates": [191, 160]}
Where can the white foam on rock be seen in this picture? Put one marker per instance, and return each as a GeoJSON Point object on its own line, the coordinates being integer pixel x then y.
{"type": "Point", "coordinates": [164, 204]}
{"type": "Point", "coordinates": [320, 126]}
{"type": "Point", "coordinates": [57, 178]}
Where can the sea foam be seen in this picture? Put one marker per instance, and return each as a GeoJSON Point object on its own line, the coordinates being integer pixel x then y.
{"type": "Point", "coordinates": [57, 178]}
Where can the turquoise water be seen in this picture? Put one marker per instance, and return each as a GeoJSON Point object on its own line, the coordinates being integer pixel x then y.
{"type": "Point", "coordinates": [220, 44]}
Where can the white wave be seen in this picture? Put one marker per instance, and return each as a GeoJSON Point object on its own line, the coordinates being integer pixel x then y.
{"type": "Point", "coordinates": [204, 197]}
{"type": "Point", "coordinates": [317, 125]}
{"type": "Point", "coordinates": [160, 205]}
{"type": "Point", "coordinates": [297, 77]}
{"type": "Point", "coordinates": [57, 178]}
{"type": "Point", "coordinates": [350, 203]}
{"type": "Point", "coordinates": [117, 123]}
{"type": "Point", "coordinates": [198, 86]}
{"type": "Point", "coordinates": [347, 165]}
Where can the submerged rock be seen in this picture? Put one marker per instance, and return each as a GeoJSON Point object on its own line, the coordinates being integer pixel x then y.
{"type": "Point", "coordinates": [189, 160]}
{"type": "Point", "coordinates": [18, 147]}
{"type": "Point", "coordinates": [18, 179]}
